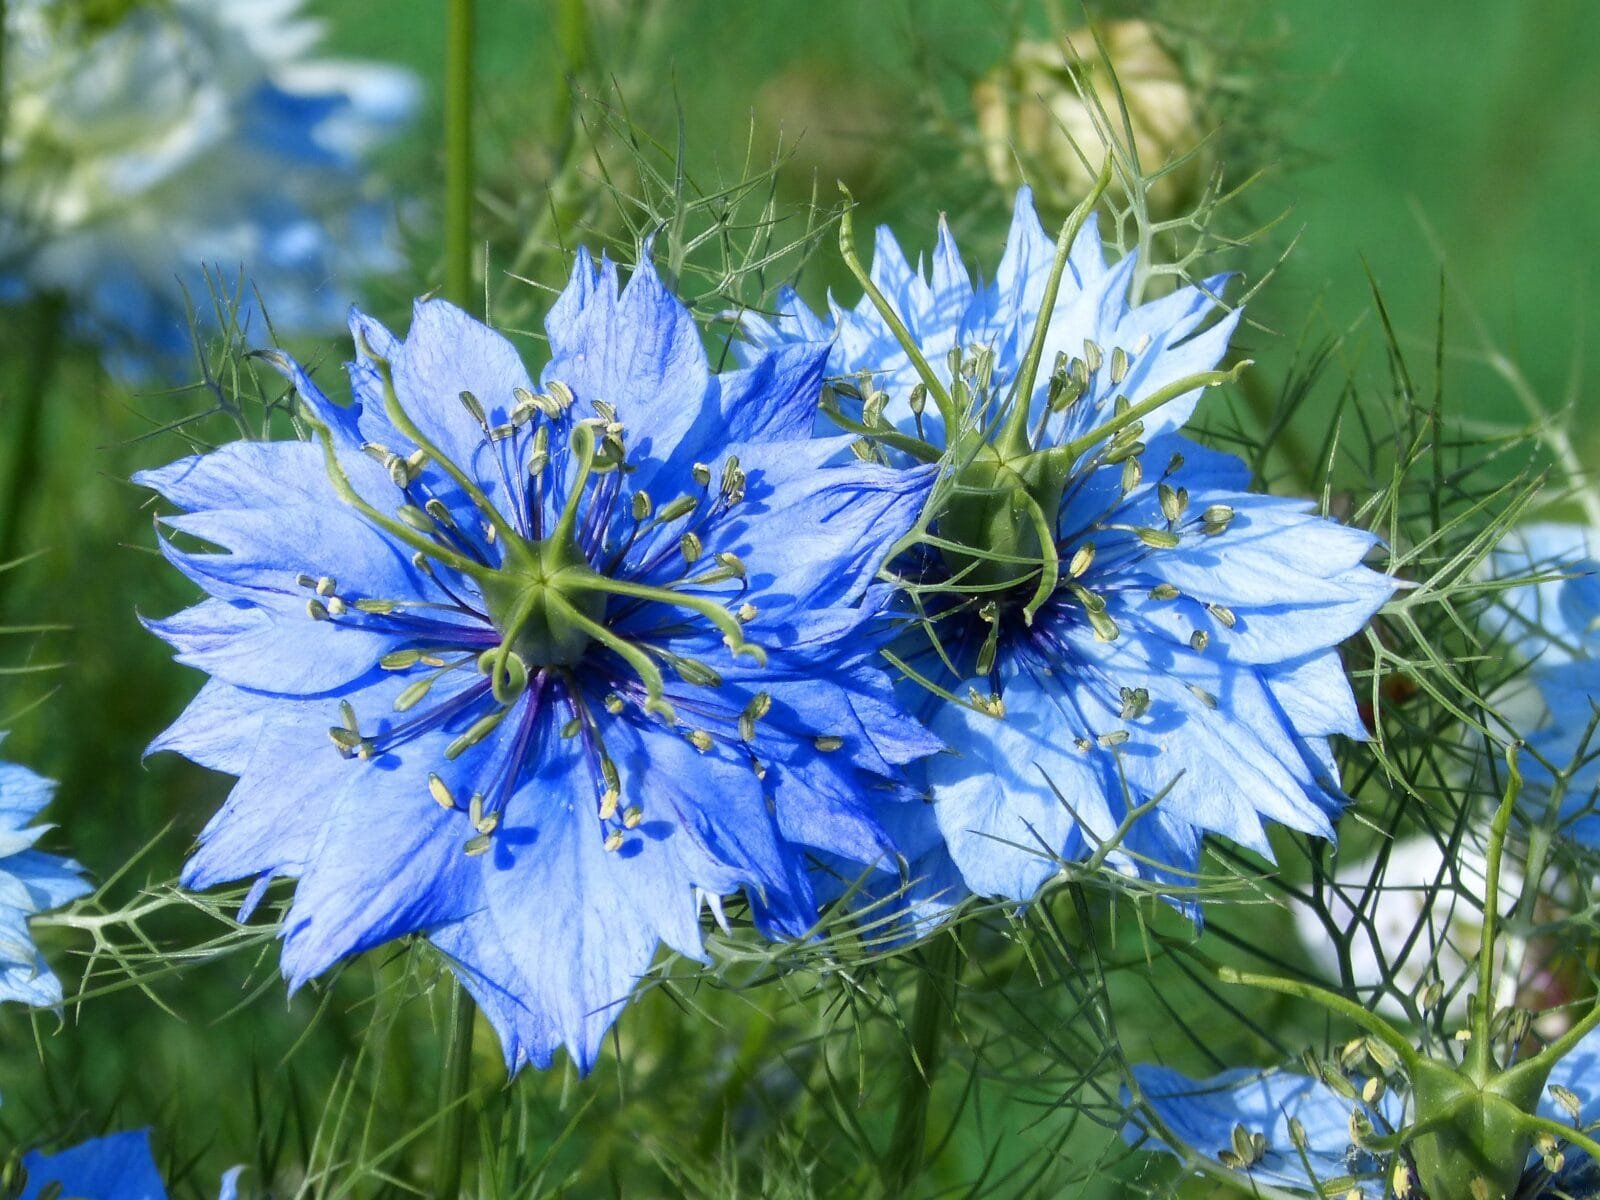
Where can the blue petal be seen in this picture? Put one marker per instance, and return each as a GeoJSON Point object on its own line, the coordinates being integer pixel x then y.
{"type": "Point", "coordinates": [774, 399]}
{"type": "Point", "coordinates": [640, 352]}
{"type": "Point", "coordinates": [117, 1167]}
{"type": "Point", "coordinates": [1579, 1073]}
{"type": "Point", "coordinates": [218, 730]}
{"type": "Point", "coordinates": [568, 927]}
{"type": "Point", "coordinates": [1554, 621]}
{"type": "Point", "coordinates": [447, 353]}
{"type": "Point", "coordinates": [1014, 796]}
{"type": "Point", "coordinates": [386, 859]}
{"type": "Point", "coordinates": [250, 647]}
{"type": "Point", "coordinates": [817, 538]}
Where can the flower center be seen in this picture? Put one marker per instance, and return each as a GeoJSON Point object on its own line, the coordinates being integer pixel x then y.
{"type": "Point", "coordinates": [531, 600]}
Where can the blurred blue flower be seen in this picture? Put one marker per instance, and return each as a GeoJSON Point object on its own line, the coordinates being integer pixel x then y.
{"type": "Point", "coordinates": [188, 137]}
{"type": "Point", "coordinates": [31, 882]}
{"type": "Point", "coordinates": [1204, 1115]}
{"type": "Point", "coordinates": [527, 630]}
{"type": "Point", "coordinates": [1554, 626]}
{"type": "Point", "coordinates": [116, 1167]}
{"type": "Point", "coordinates": [1181, 676]}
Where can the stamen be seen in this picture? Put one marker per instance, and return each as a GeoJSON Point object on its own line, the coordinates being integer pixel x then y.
{"type": "Point", "coordinates": [1222, 613]}
{"type": "Point", "coordinates": [1119, 366]}
{"type": "Point", "coordinates": [441, 793]}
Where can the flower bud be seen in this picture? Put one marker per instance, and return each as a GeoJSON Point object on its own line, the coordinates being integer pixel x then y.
{"type": "Point", "coordinates": [1034, 124]}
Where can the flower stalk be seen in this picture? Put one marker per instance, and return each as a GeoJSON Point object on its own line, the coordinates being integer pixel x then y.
{"type": "Point", "coordinates": [43, 359]}
{"type": "Point", "coordinates": [458, 154]}
{"type": "Point", "coordinates": [931, 1013]}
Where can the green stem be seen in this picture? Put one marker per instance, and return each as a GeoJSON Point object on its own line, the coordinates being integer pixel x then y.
{"type": "Point", "coordinates": [43, 358]}
{"type": "Point", "coordinates": [1013, 440]}
{"type": "Point", "coordinates": [396, 412]}
{"type": "Point", "coordinates": [648, 672]}
{"type": "Point", "coordinates": [930, 1016]}
{"type": "Point", "coordinates": [1479, 1057]}
{"type": "Point", "coordinates": [456, 1079]}
{"type": "Point", "coordinates": [458, 154]}
{"type": "Point", "coordinates": [1358, 1016]}
{"type": "Point", "coordinates": [1070, 452]}
{"type": "Point", "coordinates": [887, 435]}
{"type": "Point", "coordinates": [346, 491]}
{"type": "Point", "coordinates": [929, 377]}
{"type": "Point", "coordinates": [1533, 1123]}
{"type": "Point", "coordinates": [1546, 1059]}
{"type": "Point", "coordinates": [732, 631]}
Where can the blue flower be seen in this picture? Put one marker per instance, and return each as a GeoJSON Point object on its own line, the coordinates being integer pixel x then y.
{"type": "Point", "coordinates": [586, 655]}
{"type": "Point", "coordinates": [188, 136]}
{"type": "Point", "coordinates": [1204, 1115]}
{"type": "Point", "coordinates": [1164, 666]}
{"type": "Point", "coordinates": [31, 882]}
{"type": "Point", "coordinates": [1554, 627]}
{"type": "Point", "coordinates": [116, 1167]}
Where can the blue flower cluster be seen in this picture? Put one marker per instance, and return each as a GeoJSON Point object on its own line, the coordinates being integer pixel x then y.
{"type": "Point", "coordinates": [932, 597]}
{"type": "Point", "coordinates": [184, 137]}
{"type": "Point", "coordinates": [540, 670]}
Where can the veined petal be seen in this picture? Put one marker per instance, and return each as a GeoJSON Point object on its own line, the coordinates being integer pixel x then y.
{"type": "Point", "coordinates": [639, 351]}
{"type": "Point", "coordinates": [447, 353]}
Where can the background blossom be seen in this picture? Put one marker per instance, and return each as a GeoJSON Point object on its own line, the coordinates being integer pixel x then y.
{"type": "Point", "coordinates": [1554, 628]}
{"type": "Point", "coordinates": [189, 136]}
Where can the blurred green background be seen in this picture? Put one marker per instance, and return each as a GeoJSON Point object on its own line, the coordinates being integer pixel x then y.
{"type": "Point", "coordinates": [1389, 127]}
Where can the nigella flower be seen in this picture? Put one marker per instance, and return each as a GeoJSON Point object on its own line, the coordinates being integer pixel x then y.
{"type": "Point", "coordinates": [31, 882]}
{"type": "Point", "coordinates": [116, 1167]}
{"type": "Point", "coordinates": [1129, 649]}
{"type": "Point", "coordinates": [534, 669]}
{"type": "Point", "coordinates": [1554, 627]}
{"type": "Point", "coordinates": [184, 136]}
{"type": "Point", "coordinates": [1295, 1131]}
